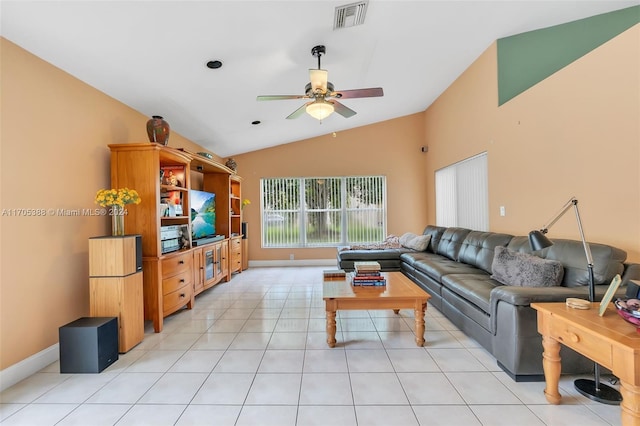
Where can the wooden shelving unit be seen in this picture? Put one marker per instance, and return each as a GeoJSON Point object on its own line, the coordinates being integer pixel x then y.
{"type": "Point", "coordinates": [173, 279]}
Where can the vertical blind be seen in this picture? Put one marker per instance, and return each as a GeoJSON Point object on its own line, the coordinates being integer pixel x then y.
{"type": "Point", "coordinates": [462, 194]}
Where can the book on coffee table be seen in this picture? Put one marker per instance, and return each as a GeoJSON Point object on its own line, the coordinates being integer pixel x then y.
{"type": "Point", "coordinates": [334, 273]}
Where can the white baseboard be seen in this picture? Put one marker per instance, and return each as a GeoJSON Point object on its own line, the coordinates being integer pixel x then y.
{"type": "Point", "coordinates": [302, 262]}
{"type": "Point", "coordinates": [28, 366]}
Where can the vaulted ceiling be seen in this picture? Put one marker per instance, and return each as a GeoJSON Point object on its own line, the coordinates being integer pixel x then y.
{"type": "Point", "coordinates": [152, 56]}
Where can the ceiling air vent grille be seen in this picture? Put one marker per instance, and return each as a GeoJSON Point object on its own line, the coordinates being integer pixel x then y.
{"type": "Point", "coordinates": [350, 15]}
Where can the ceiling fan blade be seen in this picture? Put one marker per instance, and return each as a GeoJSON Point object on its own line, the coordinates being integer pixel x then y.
{"type": "Point", "coordinates": [318, 80]}
{"type": "Point", "coordinates": [280, 97]}
{"type": "Point", "coordinates": [297, 113]}
{"type": "Point", "coordinates": [358, 93]}
{"type": "Point", "coordinates": [343, 110]}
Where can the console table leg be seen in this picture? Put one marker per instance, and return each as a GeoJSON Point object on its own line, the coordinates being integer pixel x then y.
{"type": "Point", "coordinates": [419, 314]}
{"type": "Point", "coordinates": [331, 328]}
{"type": "Point", "coordinates": [551, 366]}
{"type": "Point", "coordinates": [630, 404]}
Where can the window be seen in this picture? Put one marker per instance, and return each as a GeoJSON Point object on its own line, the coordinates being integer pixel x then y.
{"type": "Point", "coordinates": [323, 211]}
{"type": "Point", "coordinates": [462, 194]}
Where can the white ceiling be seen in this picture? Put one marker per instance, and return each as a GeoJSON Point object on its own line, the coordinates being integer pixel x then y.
{"type": "Point", "coordinates": [152, 55]}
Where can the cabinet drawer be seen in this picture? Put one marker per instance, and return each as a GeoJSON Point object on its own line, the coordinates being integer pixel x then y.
{"type": "Point", "coordinates": [175, 282]}
{"type": "Point", "coordinates": [176, 299]}
{"type": "Point", "coordinates": [177, 264]}
{"type": "Point", "coordinates": [586, 343]}
{"type": "Point", "coordinates": [235, 244]}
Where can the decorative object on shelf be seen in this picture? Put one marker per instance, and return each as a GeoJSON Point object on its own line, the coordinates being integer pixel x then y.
{"type": "Point", "coordinates": [231, 163]}
{"type": "Point", "coordinates": [592, 389]}
{"type": "Point", "coordinates": [206, 155]}
{"type": "Point", "coordinates": [245, 202]}
{"type": "Point", "coordinates": [116, 199]}
{"type": "Point", "coordinates": [158, 130]}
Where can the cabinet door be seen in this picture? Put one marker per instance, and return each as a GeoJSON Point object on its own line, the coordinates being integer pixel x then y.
{"type": "Point", "coordinates": [208, 255]}
{"type": "Point", "coordinates": [218, 261]}
{"type": "Point", "coordinates": [198, 271]}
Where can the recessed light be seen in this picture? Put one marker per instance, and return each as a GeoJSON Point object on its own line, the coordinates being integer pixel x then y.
{"type": "Point", "coordinates": [214, 64]}
{"type": "Point", "coordinates": [255, 122]}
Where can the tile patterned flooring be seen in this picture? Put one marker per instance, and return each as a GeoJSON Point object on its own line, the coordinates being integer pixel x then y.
{"type": "Point", "coordinates": [253, 352]}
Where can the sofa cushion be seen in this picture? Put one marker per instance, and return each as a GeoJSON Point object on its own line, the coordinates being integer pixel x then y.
{"type": "Point", "coordinates": [525, 270]}
{"type": "Point", "coordinates": [451, 241]}
{"type": "Point", "coordinates": [437, 267]}
{"type": "Point", "coordinates": [436, 233]}
{"type": "Point", "coordinates": [478, 248]}
{"type": "Point", "coordinates": [475, 288]}
{"type": "Point", "coordinates": [415, 242]}
{"type": "Point", "coordinates": [370, 254]}
{"type": "Point", "coordinates": [607, 261]}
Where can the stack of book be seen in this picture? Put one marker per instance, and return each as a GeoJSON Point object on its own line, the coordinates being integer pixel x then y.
{"type": "Point", "coordinates": [367, 274]}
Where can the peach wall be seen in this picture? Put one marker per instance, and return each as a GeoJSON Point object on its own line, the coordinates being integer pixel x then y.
{"type": "Point", "coordinates": [54, 155]}
{"type": "Point", "coordinates": [577, 133]}
{"type": "Point", "coordinates": [390, 148]}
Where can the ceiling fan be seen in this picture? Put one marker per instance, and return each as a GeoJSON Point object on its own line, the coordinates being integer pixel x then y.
{"type": "Point", "coordinates": [323, 94]}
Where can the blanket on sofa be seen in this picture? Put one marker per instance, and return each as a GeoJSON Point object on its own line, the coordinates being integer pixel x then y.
{"type": "Point", "coordinates": [391, 242]}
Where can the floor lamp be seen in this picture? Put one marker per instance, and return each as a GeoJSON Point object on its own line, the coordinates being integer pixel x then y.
{"type": "Point", "coordinates": [592, 389]}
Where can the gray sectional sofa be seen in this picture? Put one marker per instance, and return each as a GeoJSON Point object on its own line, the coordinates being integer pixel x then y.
{"type": "Point", "coordinates": [457, 267]}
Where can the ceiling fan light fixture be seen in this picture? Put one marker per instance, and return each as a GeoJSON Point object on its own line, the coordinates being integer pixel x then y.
{"type": "Point", "coordinates": [318, 80]}
{"type": "Point", "coordinates": [320, 110]}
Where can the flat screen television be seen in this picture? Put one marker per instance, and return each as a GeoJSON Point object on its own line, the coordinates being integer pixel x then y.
{"type": "Point", "coordinates": [203, 214]}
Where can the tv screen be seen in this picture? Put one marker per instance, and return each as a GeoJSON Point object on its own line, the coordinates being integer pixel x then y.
{"type": "Point", "coordinates": [203, 214]}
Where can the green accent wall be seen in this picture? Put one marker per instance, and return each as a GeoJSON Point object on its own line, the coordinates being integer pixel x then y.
{"type": "Point", "coordinates": [528, 58]}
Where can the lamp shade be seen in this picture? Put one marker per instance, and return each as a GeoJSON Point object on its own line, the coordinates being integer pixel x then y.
{"type": "Point", "coordinates": [318, 80]}
{"type": "Point", "coordinates": [538, 241]}
{"type": "Point", "coordinates": [320, 110]}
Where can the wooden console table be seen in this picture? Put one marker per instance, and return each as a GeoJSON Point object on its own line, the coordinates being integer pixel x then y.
{"type": "Point", "coordinates": [608, 340]}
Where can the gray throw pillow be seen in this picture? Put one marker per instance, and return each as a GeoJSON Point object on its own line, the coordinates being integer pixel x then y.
{"type": "Point", "coordinates": [415, 242]}
{"type": "Point", "coordinates": [525, 270]}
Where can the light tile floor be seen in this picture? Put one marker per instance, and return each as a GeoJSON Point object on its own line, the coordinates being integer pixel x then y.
{"type": "Point", "coordinates": [253, 352]}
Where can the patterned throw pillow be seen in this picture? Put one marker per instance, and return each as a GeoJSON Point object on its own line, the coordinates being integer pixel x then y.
{"type": "Point", "coordinates": [525, 270]}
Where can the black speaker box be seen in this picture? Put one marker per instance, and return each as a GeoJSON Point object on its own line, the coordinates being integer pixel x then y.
{"type": "Point", "coordinates": [88, 345]}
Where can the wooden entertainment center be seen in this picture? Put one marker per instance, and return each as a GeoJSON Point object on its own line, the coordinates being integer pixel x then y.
{"type": "Point", "coordinates": [177, 269]}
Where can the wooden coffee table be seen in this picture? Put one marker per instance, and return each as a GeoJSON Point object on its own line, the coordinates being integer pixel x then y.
{"type": "Point", "coordinates": [607, 340]}
{"type": "Point", "coordinates": [399, 293]}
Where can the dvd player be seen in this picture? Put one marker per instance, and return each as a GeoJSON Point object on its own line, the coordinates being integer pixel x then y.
{"type": "Point", "coordinates": [207, 240]}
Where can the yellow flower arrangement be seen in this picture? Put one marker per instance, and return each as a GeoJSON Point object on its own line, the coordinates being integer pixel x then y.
{"type": "Point", "coordinates": [117, 197]}
{"type": "Point", "coordinates": [245, 202]}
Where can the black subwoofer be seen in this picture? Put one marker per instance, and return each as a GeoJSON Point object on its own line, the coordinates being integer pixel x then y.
{"type": "Point", "coordinates": [88, 345]}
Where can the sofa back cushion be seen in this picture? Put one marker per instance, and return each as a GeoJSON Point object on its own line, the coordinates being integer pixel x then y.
{"type": "Point", "coordinates": [451, 241]}
{"type": "Point", "coordinates": [436, 233]}
{"type": "Point", "coordinates": [478, 248]}
{"type": "Point", "coordinates": [607, 261]}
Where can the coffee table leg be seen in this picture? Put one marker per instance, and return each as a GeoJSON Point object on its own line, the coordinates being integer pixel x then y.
{"type": "Point", "coordinates": [551, 366]}
{"type": "Point", "coordinates": [419, 314]}
{"type": "Point", "coordinates": [630, 403]}
{"type": "Point", "coordinates": [331, 328]}
{"type": "Point", "coordinates": [396, 311]}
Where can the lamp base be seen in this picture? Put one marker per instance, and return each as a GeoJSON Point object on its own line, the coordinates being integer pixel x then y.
{"type": "Point", "coordinates": [604, 394]}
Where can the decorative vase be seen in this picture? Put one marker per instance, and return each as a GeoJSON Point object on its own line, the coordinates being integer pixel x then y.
{"type": "Point", "coordinates": [158, 130]}
{"type": "Point", "coordinates": [231, 163]}
{"type": "Point", "coordinates": [117, 221]}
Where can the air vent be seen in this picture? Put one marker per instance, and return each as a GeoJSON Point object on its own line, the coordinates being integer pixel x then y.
{"type": "Point", "coordinates": [350, 15]}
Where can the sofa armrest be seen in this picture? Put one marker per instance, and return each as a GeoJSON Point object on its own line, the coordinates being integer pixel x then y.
{"type": "Point", "coordinates": [524, 296]}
